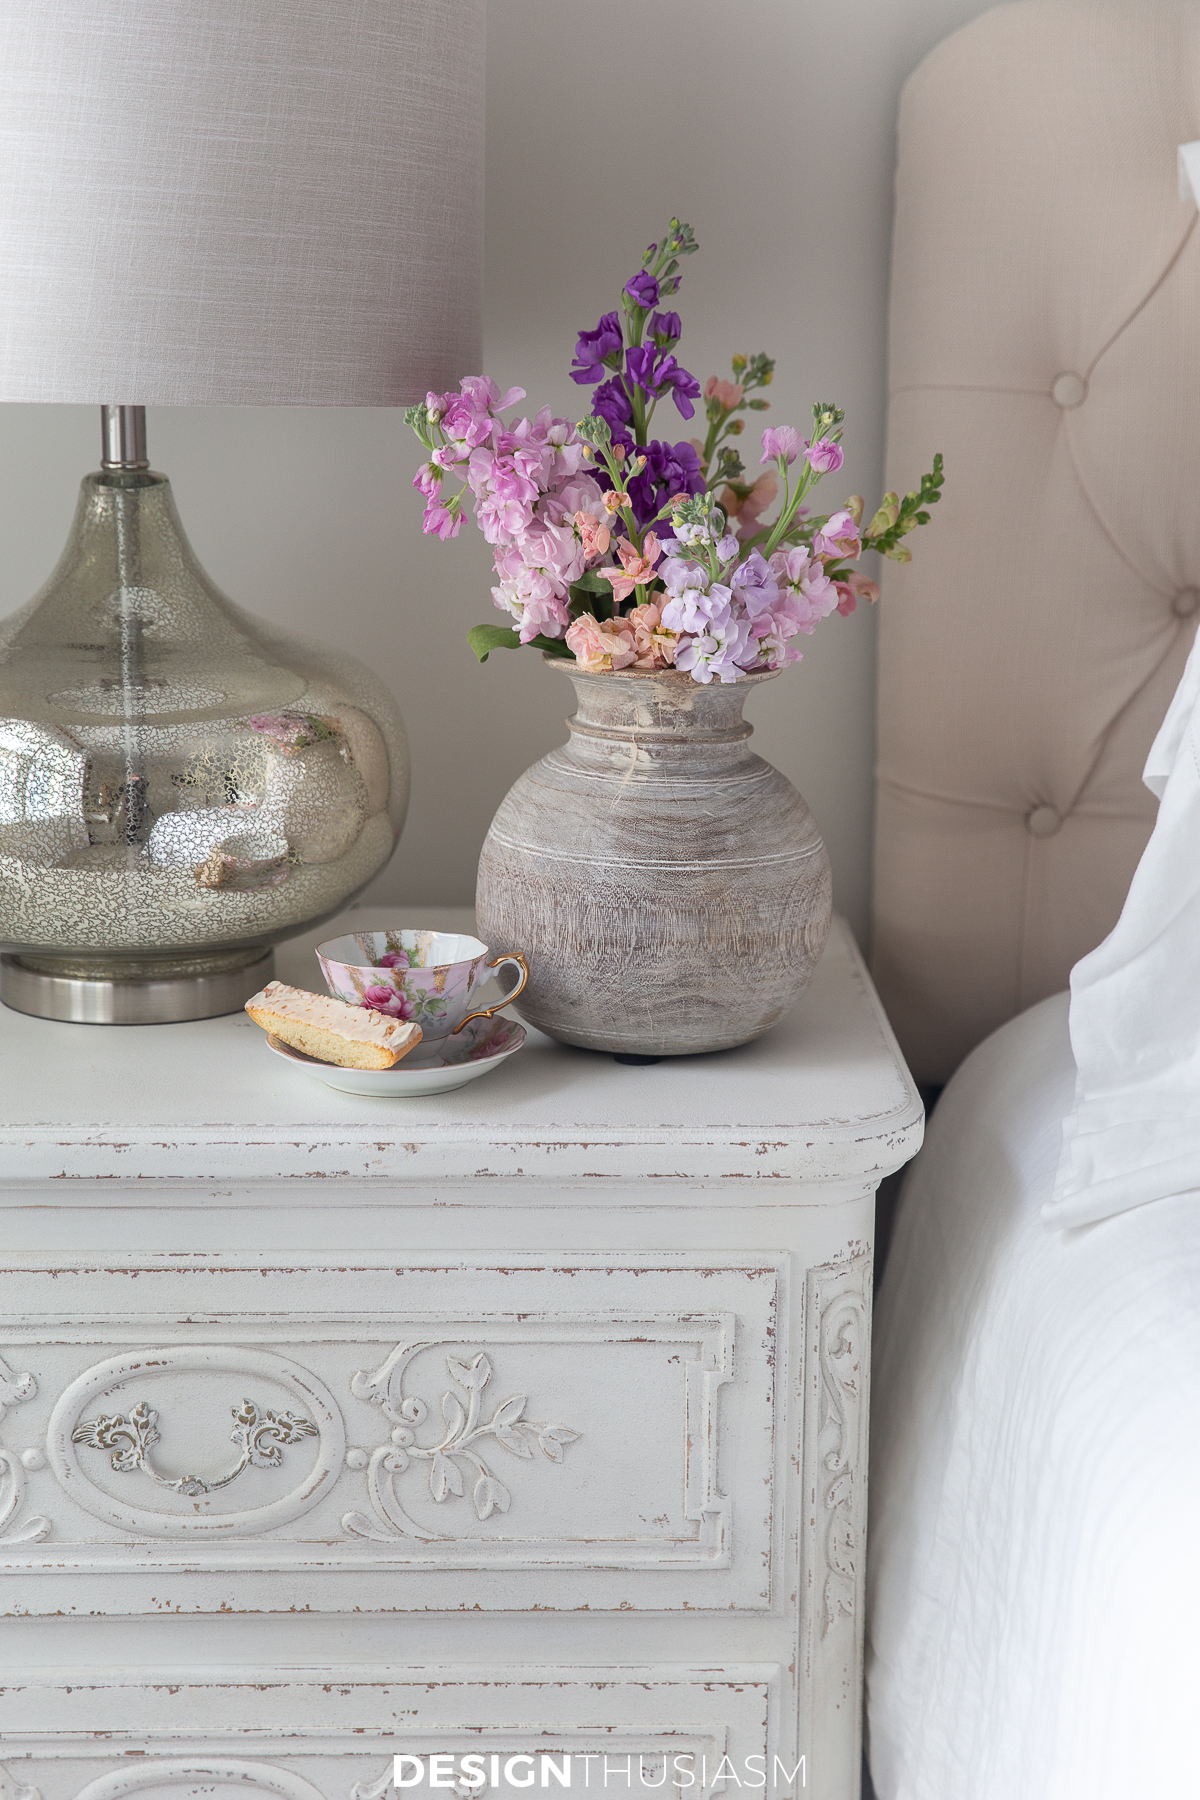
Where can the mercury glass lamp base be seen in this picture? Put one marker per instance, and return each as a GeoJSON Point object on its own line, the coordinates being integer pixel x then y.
{"type": "Point", "coordinates": [34, 985]}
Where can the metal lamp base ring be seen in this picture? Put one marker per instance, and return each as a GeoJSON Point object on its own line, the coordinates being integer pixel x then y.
{"type": "Point", "coordinates": [150, 1002]}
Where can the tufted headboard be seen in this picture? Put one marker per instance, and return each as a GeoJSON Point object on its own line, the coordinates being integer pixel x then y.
{"type": "Point", "coordinates": [1045, 335]}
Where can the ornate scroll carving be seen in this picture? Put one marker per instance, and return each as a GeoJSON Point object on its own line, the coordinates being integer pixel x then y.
{"type": "Point", "coordinates": [131, 1436]}
{"type": "Point", "coordinates": [453, 1458]}
{"type": "Point", "coordinates": [14, 1391]}
{"type": "Point", "coordinates": [14, 1388]}
{"type": "Point", "coordinates": [843, 1334]}
{"type": "Point", "coordinates": [838, 1340]}
{"type": "Point", "coordinates": [10, 1789]}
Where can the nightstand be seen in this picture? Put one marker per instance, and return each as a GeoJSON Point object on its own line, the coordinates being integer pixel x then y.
{"type": "Point", "coordinates": [528, 1416]}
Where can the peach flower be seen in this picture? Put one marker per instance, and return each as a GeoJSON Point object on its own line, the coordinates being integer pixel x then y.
{"type": "Point", "coordinates": [594, 534]}
{"type": "Point", "coordinates": [637, 566]}
{"type": "Point", "coordinates": [749, 511]}
{"type": "Point", "coordinates": [729, 393]}
{"type": "Point", "coordinates": [655, 644]}
{"type": "Point", "coordinates": [601, 647]}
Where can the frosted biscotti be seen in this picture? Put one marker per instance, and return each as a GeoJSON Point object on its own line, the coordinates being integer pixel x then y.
{"type": "Point", "coordinates": [350, 1037]}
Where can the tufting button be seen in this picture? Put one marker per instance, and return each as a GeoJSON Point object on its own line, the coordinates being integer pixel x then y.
{"type": "Point", "coordinates": [1043, 821]}
{"type": "Point", "coordinates": [1069, 390]}
{"type": "Point", "coordinates": [1185, 603]}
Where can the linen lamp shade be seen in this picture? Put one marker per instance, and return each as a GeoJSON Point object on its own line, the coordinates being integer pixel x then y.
{"type": "Point", "coordinates": [239, 202]}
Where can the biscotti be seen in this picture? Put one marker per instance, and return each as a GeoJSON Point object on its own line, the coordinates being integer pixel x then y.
{"type": "Point", "coordinates": [350, 1037]}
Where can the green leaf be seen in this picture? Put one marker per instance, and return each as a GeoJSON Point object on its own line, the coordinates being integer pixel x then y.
{"type": "Point", "coordinates": [483, 639]}
{"type": "Point", "coordinates": [592, 582]}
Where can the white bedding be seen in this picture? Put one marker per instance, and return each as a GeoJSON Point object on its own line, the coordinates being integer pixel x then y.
{"type": "Point", "coordinates": [1034, 1574]}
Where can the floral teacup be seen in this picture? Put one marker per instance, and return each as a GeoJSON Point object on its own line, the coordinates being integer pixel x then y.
{"type": "Point", "coordinates": [428, 977]}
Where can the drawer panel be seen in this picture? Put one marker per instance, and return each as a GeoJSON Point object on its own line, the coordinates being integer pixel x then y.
{"type": "Point", "coordinates": [587, 1434]}
{"type": "Point", "coordinates": [331, 1734]}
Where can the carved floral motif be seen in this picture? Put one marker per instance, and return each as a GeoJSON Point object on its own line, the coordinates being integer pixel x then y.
{"type": "Point", "coordinates": [130, 1437]}
{"type": "Point", "coordinates": [453, 1459]}
{"type": "Point", "coordinates": [14, 1390]}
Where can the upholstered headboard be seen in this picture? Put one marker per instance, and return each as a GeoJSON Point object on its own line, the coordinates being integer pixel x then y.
{"type": "Point", "coordinates": [1045, 335]}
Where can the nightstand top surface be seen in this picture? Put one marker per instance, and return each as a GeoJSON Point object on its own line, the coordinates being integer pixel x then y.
{"type": "Point", "coordinates": [823, 1096]}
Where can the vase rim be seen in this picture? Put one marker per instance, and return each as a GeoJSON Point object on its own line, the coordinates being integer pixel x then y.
{"type": "Point", "coordinates": [574, 668]}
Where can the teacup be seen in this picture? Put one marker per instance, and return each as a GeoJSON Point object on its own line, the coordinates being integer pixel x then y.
{"type": "Point", "coordinates": [428, 977]}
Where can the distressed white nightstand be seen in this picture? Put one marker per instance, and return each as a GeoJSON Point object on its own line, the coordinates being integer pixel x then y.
{"type": "Point", "coordinates": [664, 1273]}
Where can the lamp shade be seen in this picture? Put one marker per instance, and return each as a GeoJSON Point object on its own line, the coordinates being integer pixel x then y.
{"type": "Point", "coordinates": [239, 202]}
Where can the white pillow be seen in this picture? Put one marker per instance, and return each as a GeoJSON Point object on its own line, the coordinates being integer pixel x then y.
{"type": "Point", "coordinates": [1134, 1133]}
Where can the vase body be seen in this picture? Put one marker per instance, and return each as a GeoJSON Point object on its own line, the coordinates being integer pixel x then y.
{"type": "Point", "coordinates": [180, 783]}
{"type": "Point", "coordinates": [669, 888]}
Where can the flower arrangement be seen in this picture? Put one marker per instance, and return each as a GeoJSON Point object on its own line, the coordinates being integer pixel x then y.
{"type": "Point", "coordinates": [628, 552]}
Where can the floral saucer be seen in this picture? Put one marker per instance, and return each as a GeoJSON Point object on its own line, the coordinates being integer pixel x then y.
{"type": "Point", "coordinates": [433, 1068]}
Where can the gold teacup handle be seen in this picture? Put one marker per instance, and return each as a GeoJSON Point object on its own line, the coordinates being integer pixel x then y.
{"type": "Point", "coordinates": [510, 956]}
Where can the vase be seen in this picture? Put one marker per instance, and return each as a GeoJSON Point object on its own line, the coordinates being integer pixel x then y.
{"type": "Point", "coordinates": [668, 887]}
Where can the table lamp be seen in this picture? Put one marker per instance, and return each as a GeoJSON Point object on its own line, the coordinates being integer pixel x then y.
{"type": "Point", "coordinates": [209, 203]}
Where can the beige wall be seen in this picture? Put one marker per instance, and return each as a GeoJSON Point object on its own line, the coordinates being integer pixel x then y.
{"type": "Point", "coordinates": [769, 127]}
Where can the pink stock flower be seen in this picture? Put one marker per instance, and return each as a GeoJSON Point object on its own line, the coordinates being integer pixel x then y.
{"type": "Point", "coordinates": [729, 393]}
{"type": "Point", "coordinates": [593, 533]}
{"type": "Point", "coordinates": [781, 440]}
{"type": "Point", "coordinates": [600, 648]}
{"type": "Point", "coordinates": [638, 566]}
{"type": "Point", "coordinates": [655, 644]}
{"type": "Point", "coordinates": [824, 457]}
{"type": "Point", "coordinates": [428, 479]}
{"type": "Point", "coordinates": [441, 519]}
{"type": "Point", "coordinates": [546, 616]}
{"type": "Point", "coordinates": [809, 596]}
{"type": "Point", "coordinates": [838, 538]}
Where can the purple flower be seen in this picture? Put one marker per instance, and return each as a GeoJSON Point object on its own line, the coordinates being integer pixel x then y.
{"type": "Point", "coordinates": [670, 469]}
{"type": "Point", "coordinates": [685, 388]}
{"type": "Point", "coordinates": [595, 348]}
{"type": "Point", "coordinates": [824, 457]}
{"type": "Point", "coordinates": [612, 403]}
{"type": "Point", "coordinates": [643, 290]}
{"type": "Point", "coordinates": [639, 366]}
{"type": "Point", "coordinates": [665, 329]}
{"type": "Point", "coordinates": [662, 377]}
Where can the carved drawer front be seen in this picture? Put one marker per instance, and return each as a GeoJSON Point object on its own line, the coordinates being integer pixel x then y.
{"type": "Point", "coordinates": [332, 1734]}
{"type": "Point", "coordinates": [199, 1435]}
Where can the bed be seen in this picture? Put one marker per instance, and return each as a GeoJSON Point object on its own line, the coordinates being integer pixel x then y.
{"type": "Point", "coordinates": [1034, 1578]}
{"type": "Point", "coordinates": [1034, 1571]}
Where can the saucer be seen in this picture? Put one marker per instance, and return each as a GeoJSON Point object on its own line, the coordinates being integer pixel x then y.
{"type": "Point", "coordinates": [433, 1068]}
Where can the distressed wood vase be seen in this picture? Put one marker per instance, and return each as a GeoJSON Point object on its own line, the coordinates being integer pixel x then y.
{"type": "Point", "coordinates": [669, 888]}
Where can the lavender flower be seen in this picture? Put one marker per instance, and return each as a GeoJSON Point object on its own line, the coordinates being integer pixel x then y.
{"type": "Point", "coordinates": [598, 350]}
{"type": "Point", "coordinates": [665, 329]}
{"type": "Point", "coordinates": [755, 585]}
{"type": "Point", "coordinates": [722, 651]}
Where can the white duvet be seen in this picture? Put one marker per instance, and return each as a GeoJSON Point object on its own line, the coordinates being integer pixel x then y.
{"type": "Point", "coordinates": [1034, 1571]}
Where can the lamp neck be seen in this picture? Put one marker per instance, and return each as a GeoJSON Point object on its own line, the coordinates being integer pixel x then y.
{"type": "Point", "coordinates": [123, 437]}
